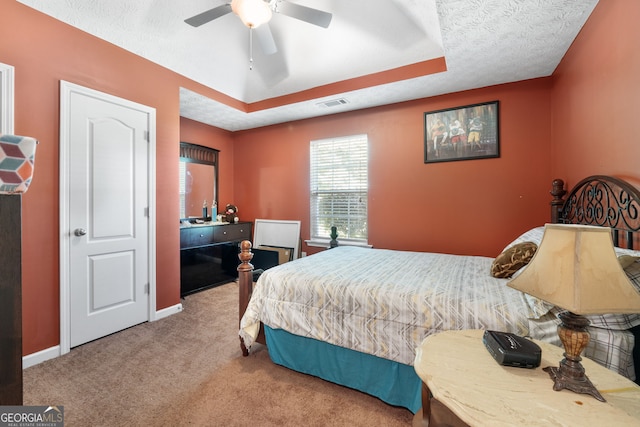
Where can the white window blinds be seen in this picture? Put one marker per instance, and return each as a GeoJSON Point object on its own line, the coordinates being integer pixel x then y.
{"type": "Point", "coordinates": [339, 188]}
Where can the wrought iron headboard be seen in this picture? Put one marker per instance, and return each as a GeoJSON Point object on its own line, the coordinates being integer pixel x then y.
{"type": "Point", "coordinates": [604, 201]}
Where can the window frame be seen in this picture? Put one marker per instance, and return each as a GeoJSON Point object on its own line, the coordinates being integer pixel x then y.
{"type": "Point", "coordinates": [319, 239]}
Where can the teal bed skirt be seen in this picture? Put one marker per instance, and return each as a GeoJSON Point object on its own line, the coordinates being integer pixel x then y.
{"type": "Point", "coordinates": [394, 383]}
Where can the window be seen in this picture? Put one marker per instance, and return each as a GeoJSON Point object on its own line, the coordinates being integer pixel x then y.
{"type": "Point", "coordinates": [339, 188]}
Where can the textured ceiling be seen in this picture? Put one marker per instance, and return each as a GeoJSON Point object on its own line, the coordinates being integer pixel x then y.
{"type": "Point", "coordinates": [484, 42]}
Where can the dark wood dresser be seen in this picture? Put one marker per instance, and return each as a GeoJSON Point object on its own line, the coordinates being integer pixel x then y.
{"type": "Point", "coordinates": [10, 300]}
{"type": "Point", "coordinates": [209, 254]}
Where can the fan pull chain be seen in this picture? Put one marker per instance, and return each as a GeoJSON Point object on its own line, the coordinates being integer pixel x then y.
{"type": "Point", "coordinates": [250, 48]}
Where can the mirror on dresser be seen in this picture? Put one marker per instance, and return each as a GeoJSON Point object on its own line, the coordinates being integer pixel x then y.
{"type": "Point", "coordinates": [198, 181]}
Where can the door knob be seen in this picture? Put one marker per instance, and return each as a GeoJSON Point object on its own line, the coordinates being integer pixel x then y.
{"type": "Point", "coordinates": [80, 232]}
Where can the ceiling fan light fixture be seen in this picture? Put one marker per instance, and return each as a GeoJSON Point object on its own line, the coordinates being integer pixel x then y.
{"type": "Point", "coordinates": [252, 13]}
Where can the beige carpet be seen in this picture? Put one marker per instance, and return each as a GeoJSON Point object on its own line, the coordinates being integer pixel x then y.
{"type": "Point", "coordinates": [187, 369]}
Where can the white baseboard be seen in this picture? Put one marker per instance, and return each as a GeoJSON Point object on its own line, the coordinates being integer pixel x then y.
{"type": "Point", "coordinates": [41, 356]}
{"type": "Point", "coordinates": [166, 312]}
{"type": "Point", "coordinates": [53, 352]}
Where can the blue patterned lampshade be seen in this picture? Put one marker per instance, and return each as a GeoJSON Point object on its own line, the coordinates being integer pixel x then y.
{"type": "Point", "coordinates": [17, 156]}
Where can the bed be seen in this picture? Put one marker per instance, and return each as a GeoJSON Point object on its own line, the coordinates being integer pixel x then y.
{"type": "Point", "coordinates": [354, 316]}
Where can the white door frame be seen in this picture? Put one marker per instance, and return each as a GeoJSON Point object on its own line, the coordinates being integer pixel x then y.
{"type": "Point", "coordinates": [66, 89]}
{"type": "Point", "coordinates": [6, 99]}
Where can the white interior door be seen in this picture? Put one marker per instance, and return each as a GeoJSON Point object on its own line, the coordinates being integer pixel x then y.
{"type": "Point", "coordinates": [106, 220]}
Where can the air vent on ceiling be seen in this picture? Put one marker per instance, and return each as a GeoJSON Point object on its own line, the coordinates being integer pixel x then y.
{"type": "Point", "coordinates": [333, 103]}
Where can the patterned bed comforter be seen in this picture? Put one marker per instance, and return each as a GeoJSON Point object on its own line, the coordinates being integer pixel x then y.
{"type": "Point", "coordinates": [385, 302]}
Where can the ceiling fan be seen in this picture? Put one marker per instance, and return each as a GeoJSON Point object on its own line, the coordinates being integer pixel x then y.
{"type": "Point", "coordinates": [254, 13]}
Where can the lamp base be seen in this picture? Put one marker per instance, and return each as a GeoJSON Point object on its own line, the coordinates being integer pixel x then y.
{"type": "Point", "coordinates": [583, 386]}
{"type": "Point", "coordinates": [570, 374]}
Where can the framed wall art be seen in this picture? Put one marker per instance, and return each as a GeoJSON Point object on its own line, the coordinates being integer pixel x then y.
{"type": "Point", "coordinates": [462, 133]}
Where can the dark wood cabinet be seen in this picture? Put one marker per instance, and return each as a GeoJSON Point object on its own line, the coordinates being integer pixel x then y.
{"type": "Point", "coordinates": [209, 254]}
{"type": "Point", "coordinates": [10, 300]}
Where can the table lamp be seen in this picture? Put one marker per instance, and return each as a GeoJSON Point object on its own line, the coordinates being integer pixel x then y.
{"type": "Point", "coordinates": [576, 269]}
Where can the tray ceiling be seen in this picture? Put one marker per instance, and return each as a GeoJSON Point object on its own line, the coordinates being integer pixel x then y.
{"type": "Point", "coordinates": [374, 52]}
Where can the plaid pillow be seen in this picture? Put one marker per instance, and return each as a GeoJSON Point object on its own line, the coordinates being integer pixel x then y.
{"type": "Point", "coordinates": [621, 321]}
{"type": "Point", "coordinates": [633, 272]}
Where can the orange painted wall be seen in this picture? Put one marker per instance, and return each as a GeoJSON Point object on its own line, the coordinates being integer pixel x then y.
{"type": "Point", "coordinates": [43, 52]}
{"type": "Point", "coordinates": [465, 207]}
{"type": "Point", "coordinates": [596, 97]}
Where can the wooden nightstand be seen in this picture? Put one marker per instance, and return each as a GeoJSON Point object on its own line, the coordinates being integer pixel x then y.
{"type": "Point", "coordinates": [464, 385]}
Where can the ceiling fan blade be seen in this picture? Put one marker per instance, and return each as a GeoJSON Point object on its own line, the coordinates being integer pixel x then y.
{"type": "Point", "coordinates": [274, 70]}
{"type": "Point", "coordinates": [209, 15]}
{"type": "Point", "coordinates": [265, 38]}
{"type": "Point", "coordinates": [304, 13]}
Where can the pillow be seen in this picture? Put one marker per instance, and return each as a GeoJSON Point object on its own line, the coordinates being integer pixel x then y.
{"type": "Point", "coordinates": [513, 259]}
{"type": "Point", "coordinates": [631, 266]}
{"type": "Point", "coordinates": [620, 322]}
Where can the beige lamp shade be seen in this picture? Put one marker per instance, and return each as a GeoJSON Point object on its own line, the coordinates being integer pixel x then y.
{"type": "Point", "coordinates": [576, 268]}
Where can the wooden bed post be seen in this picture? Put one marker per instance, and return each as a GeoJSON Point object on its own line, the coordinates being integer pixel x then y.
{"type": "Point", "coordinates": [245, 282]}
{"type": "Point", "coordinates": [558, 192]}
